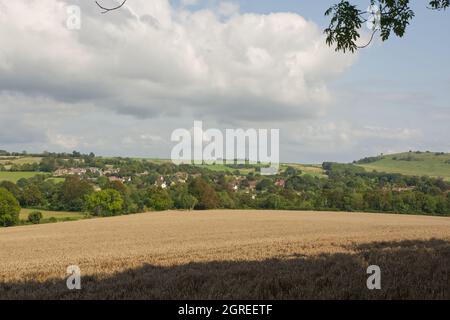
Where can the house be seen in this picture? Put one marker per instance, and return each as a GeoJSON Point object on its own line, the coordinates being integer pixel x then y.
{"type": "Point", "coordinates": [111, 171]}
{"type": "Point", "coordinates": [94, 170]}
{"type": "Point", "coordinates": [280, 183]}
{"type": "Point", "coordinates": [145, 173]}
{"type": "Point", "coordinates": [69, 172]}
{"type": "Point", "coordinates": [114, 178]}
{"type": "Point", "coordinates": [233, 186]}
{"type": "Point", "coordinates": [161, 183]}
{"type": "Point", "coordinates": [61, 172]}
{"type": "Point", "coordinates": [252, 184]}
{"type": "Point", "coordinates": [181, 177]}
{"type": "Point", "coordinates": [78, 171]}
{"type": "Point", "coordinates": [403, 189]}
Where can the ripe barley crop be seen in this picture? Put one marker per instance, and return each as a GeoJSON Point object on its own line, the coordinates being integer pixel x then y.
{"type": "Point", "coordinates": [229, 254]}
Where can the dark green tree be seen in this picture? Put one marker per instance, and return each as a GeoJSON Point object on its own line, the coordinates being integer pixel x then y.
{"type": "Point", "coordinates": [205, 194]}
{"type": "Point", "coordinates": [159, 199]}
{"type": "Point", "coordinates": [32, 196]}
{"type": "Point", "coordinates": [9, 208]}
{"type": "Point", "coordinates": [73, 193]}
{"type": "Point", "coordinates": [184, 200]}
{"type": "Point", "coordinates": [35, 217]}
{"type": "Point", "coordinates": [104, 203]}
{"type": "Point", "coordinates": [13, 188]}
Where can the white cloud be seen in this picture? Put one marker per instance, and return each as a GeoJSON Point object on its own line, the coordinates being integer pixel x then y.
{"type": "Point", "coordinates": [123, 82]}
{"type": "Point", "coordinates": [150, 59]}
{"type": "Point", "coordinates": [343, 138]}
{"type": "Point", "coordinates": [227, 8]}
{"type": "Point", "coordinates": [66, 142]}
{"type": "Point", "coordinates": [189, 2]}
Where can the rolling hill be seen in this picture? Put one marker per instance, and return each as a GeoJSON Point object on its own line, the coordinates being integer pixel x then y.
{"type": "Point", "coordinates": [433, 164]}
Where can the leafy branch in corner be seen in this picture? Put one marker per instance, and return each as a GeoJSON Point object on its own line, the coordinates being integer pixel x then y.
{"type": "Point", "coordinates": [347, 19]}
{"type": "Point", "coordinates": [106, 10]}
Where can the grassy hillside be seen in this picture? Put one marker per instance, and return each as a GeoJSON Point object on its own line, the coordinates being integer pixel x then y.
{"type": "Point", "coordinates": [314, 170]}
{"type": "Point", "coordinates": [412, 163]}
{"type": "Point", "coordinates": [19, 160]}
{"type": "Point", "coordinates": [15, 176]}
{"type": "Point", "coordinates": [58, 215]}
{"type": "Point", "coordinates": [310, 169]}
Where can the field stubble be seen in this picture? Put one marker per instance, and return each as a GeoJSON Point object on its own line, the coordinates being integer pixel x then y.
{"type": "Point", "coordinates": [230, 254]}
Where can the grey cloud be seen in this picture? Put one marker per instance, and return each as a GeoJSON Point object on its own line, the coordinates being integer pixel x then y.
{"type": "Point", "coordinates": [122, 83]}
{"type": "Point", "coordinates": [14, 131]}
{"type": "Point", "coordinates": [155, 61]}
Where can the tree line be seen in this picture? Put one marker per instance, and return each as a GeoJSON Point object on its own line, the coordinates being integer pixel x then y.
{"type": "Point", "coordinates": [345, 187]}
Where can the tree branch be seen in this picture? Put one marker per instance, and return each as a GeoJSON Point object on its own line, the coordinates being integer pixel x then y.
{"type": "Point", "coordinates": [370, 41]}
{"type": "Point", "coordinates": [106, 10]}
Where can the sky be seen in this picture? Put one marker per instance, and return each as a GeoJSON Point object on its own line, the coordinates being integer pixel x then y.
{"type": "Point", "coordinates": [124, 81]}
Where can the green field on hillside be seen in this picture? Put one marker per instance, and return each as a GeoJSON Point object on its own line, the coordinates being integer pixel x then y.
{"type": "Point", "coordinates": [225, 168]}
{"type": "Point", "coordinates": [413, 163]}
{"type": "Point", "coordinates": [7, 161]}
{"type": "Point", "coordinates": [58, 215]}
{"type": "Point", "coordinates": [15, 176]}
{"type": "Point", "coordinates": [314, 170]}
{"type": "Point", "coordinates": [310, 169]}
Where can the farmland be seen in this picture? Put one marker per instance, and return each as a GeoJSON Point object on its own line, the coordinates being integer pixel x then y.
{"type": "Point", "coordinates": [413, 164]}
{"type": "Point", "coordinates": [230, 254]}
{"type": "Point", "coordinates": [15, 176]}
{"type": "Point", "coordinates": [314, 170]}
{"type": "Point", "coordinates": [310, 169]}
{"type": "Point", "coordinates": [6, 160]}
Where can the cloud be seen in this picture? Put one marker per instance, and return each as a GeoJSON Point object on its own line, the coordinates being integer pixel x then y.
{"type": "Point", "coordinates": [13, 131]}
{"type": "Point", "coordinates": [228, 8]}
{"type": "Point", "coordinates": [189, 2]}
{"type": "Point", "coordinates": [346, 140]}
{"type": "Point", "coordinates": [151, 60]}
{"type": "Point", "coordinates": [123, 82]}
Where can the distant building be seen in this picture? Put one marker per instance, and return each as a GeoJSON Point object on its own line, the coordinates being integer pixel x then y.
{"type": "Point", "coordinates": [111, 171]}
{"type": "Point", "coordinates": [280, 183]}
{"type": "Point", "coordinates": [181, 177]}
{"type": "Point", "coordinates": [69, 172]}
{"type": "Point", "coordinates": [114, 178]}
{"type": "Point", "coordinates": [161, 183]}
{"type": "Point", "coordinates": [252, 184]}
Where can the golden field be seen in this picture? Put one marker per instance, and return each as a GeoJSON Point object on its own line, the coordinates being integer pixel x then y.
{"type": "Point", "coordinates": [230, 255]}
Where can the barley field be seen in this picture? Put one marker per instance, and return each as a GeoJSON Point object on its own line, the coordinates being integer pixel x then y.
{"type": "Point", "coordinates": [230, 255]}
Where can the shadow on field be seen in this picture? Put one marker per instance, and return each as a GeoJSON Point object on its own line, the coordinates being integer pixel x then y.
{"type": "Point", "coordinates": [410, 270]}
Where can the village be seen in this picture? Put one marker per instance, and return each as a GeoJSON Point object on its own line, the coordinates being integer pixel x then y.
{"type": "Point", "coordinates": [234, 181]}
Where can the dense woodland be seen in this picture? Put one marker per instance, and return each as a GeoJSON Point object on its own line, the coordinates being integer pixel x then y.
{"type": "Point", "coordinates": [142, 185]}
